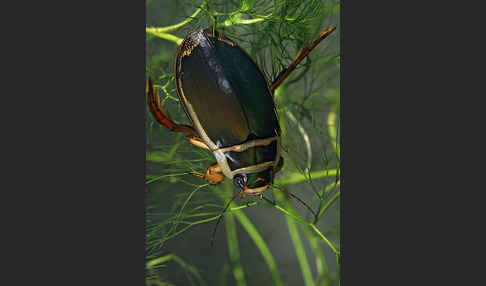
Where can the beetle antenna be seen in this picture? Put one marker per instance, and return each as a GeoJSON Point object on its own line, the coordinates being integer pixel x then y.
{"type": "Point", "coordinates": [221, 216]}
{"type": "Point", "coordinates": [298, 58]}
{"type": "Point", "coordinates": [294, 196]}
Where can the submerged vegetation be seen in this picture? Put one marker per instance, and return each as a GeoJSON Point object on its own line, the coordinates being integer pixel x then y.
{"type": "Point", "coordinates": [276, 241]}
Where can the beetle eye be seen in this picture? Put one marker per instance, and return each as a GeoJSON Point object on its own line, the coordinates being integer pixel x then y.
{"type": "Point", "coordinates": [240, 180]}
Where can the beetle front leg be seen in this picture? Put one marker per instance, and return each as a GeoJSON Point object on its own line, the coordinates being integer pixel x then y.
{"type": "Point", "coordinates": [303, 52]}
{"type": "Point", "coordinates": [161, 115]}
{"type": "Point", "coordinates": [197, 142]}
{"type": "Point", "coordinates": [213, 175]}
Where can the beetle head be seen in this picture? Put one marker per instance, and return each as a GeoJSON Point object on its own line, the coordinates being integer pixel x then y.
{"type": "Point", "coordinates": [254, 183]}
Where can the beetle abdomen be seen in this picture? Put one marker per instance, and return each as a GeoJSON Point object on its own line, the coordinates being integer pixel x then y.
{"type": "Point", "coordinates": [251, 156]}
{"type": "Point", "coordinates": [223, 91]}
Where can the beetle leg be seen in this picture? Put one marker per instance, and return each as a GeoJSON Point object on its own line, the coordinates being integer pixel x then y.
{"type": "Point", "coordinates": [161, 115]}
{"type": "Point", "coordinates": [197, 142]}
{"type": "Point", "coordinates": [213, 175]}
{"type": "Point", "coordinates": [298, 58]}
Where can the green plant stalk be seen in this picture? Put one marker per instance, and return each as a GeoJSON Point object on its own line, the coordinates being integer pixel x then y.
{"type": "Point", "coordinates": [179, 216]}
{"type": "Point", "coordinates": [331, 123]}
{"type": "Point", "coordinates": [261, 245]}
{"type": "Point", "coordinates": [159, 260]}
{"type": "Point", "coordinates": [331, 187]}
{"type": "Point", "coordinates": [164, 32]}
{"type": "Point", "coordinates": [298, 177]}
{"type": "Point", "coordinates": [247, 21]}
{"type": "Point", "coordinates": [243, 206]}
{"type": "Point", "coordinates": [338, 264]}
{"type": "Point", "coordinates": [324, 192]}
{"type": "Point", "coordinates": [327, 205]}
{"type": "Point", "coordinates": [321, 265]}
{"type": "Point", "coordinates": [233, 249]}
{"type": "Point", "coordinates": [158, 178]}
{"type": "Point", "coordinates": [300, 252]}
{"type": "Point", "coordinates": [158, 156]}
{"type": "Point", "coordinates": [255, 236]}
{"type": "Point", "coordinates": [189, 226]}
{"type": "Point", "coordinates": [305, 137]}
{"type": "Point", "coordinates": [235, 17]}
{"type": "Point", "coordinates": [166, 92]}
{"type": "Point", "coordinates": [236, 20]}
{"type": "Point", "coordinates": [232, 238]}
{"type": "Point", "coordinates": [333, 248]}
{"type": "Point", "coordinates": [279, 90]}
{"type": "Point", "coordinates": [165, 36]}
{"type": "Point", "coordinates": [159, 283]}
{"type": "Point", "coordinates": [311, 225]}
{"type": "Point", "coordinates": [224, 274]}
{"type": "Point", "coordinates": [152, 263]}
{"type": "Point", "coordinates": [175, 27]}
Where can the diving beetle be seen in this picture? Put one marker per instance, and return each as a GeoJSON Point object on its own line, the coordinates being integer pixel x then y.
{"type": "Point", "coordinates": [229, 102]}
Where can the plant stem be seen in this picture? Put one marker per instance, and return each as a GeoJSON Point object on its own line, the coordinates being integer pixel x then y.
{"type": "Point", "coordinates": [261, 245]}
{"type": "Point", "coordinates": [327, 205]}
{"type": "Point", "coordinates": [189, 226]}
{"type": "Point", "coordinates": [331, 123]}
{"type": "Point", "coordinates": [162, 35]}
{"type": "Point", "coordinates": [232, 238]}
{"type": "Point", "coordinates": [305, 138]}
{"type": "Point", "coordinates": [300, 252]}
{"type": "Point", "coordinates": [173, 28]}
{"type": "Point", "coordinates": [333, 248]}
{"type": "Point", "coordinates": [321, 265]}
{"type": "Point", "coordinates": [298, 177]}
{"type": "Point", "coordinates": [302, 221]}
{"type": "Point", "coordinates": [243, 206]}
{"type": "Point", "coordinates": [154, 179]}
{"type": "Point", "coordinates": [152, 263]}
{"type": "Point", "coordinates": [238, 21]}
{"type": "Point", "coordinates": [256, 237]}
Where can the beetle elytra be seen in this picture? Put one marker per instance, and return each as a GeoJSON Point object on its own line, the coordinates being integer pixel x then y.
{"type": "Point", "coordinates": [230, 104]}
